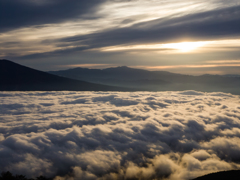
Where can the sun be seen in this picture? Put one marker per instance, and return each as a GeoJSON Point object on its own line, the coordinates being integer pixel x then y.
{"type": "Point", "coordinates": [185, 46]}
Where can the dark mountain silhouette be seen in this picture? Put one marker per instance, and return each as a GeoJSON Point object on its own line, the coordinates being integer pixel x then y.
{"type": "Point", "coordinates": [223, 175]}
{"type": "Point", "coordinates": [15, 77]}
{"type": "Point", "coordinates": [154, 80]}
{"type": "Point", "coordinates": [9, 176]}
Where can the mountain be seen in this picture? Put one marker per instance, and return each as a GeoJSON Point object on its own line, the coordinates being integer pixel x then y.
{"type": "Point", "coordinates": [15, 77]}
{"type": "Point", "coordinates": [153, 80]}
{"type": "Point", "coordinates": [231, 75]}
{"type": "Point", "coordinates": [223, 175]}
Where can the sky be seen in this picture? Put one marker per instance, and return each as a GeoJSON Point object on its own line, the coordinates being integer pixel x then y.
{"type": "Point", "coordinates": [119, 135]}
{"type": "Point", "coordinates": [188, 37]}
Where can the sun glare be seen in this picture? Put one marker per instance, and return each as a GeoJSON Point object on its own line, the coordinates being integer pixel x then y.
{"type": "Point", "coordinates": [185, 46]}
{"type": "Point", "coordinates": [182, 47]}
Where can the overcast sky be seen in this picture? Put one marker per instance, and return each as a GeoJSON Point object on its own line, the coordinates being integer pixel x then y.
{"type": "Point", "coordinates": [189, 37]}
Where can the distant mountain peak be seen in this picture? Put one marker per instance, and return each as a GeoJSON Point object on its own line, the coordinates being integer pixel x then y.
{"type": "Point", "coordinates": [124, 67]}
{"type": "Point", "coordinates": [5, 60]}
{"type": "Point", "coordinates": [119, 67]}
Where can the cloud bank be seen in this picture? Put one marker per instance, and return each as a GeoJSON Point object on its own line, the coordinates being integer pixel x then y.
{"type": "Point", "coordinates": [115, 135]}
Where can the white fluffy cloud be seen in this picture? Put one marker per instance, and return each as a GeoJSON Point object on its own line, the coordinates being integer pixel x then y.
{"type": "Point", "coordinates": [114, 135]}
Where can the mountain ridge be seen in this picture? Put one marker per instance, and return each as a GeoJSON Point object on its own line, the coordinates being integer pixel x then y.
{"type": "Point", "coordinates": [16, 77]}
{"type": "Point", "coordinates": [153, 80]}
{"type": "Point", "coordinates": [222, 175]}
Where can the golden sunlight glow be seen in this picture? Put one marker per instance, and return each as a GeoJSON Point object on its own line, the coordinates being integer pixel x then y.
{"type": "Point", "coordinates": [182, 47]}
{"type": "Point", "coordinates": [185, 46]}
{"type": "Point", "coordinates": [90, 66]}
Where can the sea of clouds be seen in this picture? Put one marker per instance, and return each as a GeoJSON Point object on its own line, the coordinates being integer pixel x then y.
{"type": "Point", "coordinates": [119, 135]}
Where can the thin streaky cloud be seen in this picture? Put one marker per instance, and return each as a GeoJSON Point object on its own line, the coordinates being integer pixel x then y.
{"type": "Point", "coordinates": [80, 32]}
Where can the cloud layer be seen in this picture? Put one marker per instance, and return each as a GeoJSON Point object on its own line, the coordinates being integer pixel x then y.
{"type": "Point", "coordinates": [114, 135]}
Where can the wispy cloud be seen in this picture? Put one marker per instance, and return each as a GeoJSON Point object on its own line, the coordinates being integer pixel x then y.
{"type": "Point", "coordinates": [75, 27]}
{"type": "Point", "coordinates": [86, 66]}
{"type": "Point", "coordinates": [188, 66]}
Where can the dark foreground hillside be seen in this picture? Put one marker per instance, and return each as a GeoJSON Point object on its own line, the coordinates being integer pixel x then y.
{"type": "Point", "coordinates": [224, 175]}
{"type": "Point", "coordinates": [9, 176]}
{"type": "Point", "coordinates": [15, 77]}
